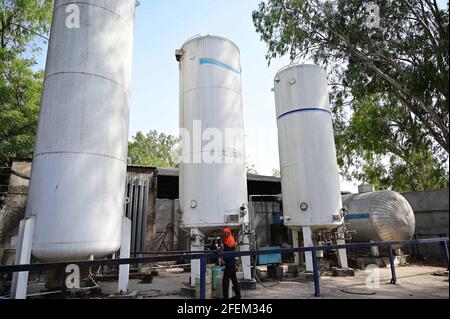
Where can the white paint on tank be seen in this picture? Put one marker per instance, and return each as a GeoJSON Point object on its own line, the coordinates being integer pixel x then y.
{"type": "Point", "coordinates": [211, 94]}
{"type": "Point", "coordinates": [79, 165]}
{"type": "Point", "coordinates": [309, 170]}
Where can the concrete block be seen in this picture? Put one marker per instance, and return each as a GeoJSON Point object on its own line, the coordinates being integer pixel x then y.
{"type": "Point", "coordinates": [306, 276]}
{"type": "Point", "coordinates": [343, 272]}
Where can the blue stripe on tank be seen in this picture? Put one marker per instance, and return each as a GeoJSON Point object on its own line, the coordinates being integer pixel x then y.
{"type": "Point", "coordinates": [218, 63]}
{"type": "Point", "coordinates": [312, 109]}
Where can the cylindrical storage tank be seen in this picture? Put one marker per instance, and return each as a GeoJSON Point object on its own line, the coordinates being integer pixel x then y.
{"type": "Point", "coordinates": [379, 216]}
{"type": "Point", "coordinates": [309, 170]}
{"type": "Point", "coordinates": [213, 180]}
{"type": "Point", "coordinates": [79, 165]}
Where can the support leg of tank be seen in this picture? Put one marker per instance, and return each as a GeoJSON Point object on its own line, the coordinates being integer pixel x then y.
{"type": "Point", "coordinates": [375, 250]}
{"type": "Point", "coordinates": [124, 270]}
{"type": "Point", "coordinates": [308, 242]}
{"type": "Point", "coordinates": [197, 244]}
{"type": "Point", "coordinates": [23, 257]}
{"type": "Point", "coordinates": [246, 260]}
{"type": "Point", "coordinates": [342, 253]}
{"type": "Point", "coordinates": [295, 245]}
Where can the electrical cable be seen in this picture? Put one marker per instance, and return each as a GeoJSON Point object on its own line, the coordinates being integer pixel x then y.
{"type": "Point", "coordinates": [370, 293]}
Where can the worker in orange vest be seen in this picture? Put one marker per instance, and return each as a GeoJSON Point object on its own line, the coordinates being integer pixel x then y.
{"type": "Point", "coordinates": [229, 244]}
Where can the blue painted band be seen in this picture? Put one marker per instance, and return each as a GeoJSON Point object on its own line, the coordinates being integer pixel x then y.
{"type": "Point", "coordinates": [218, 63]}
{"type": "Point", "coordinates": [312, 109]}
{"type": "Point", "coordinates": [357, 216]}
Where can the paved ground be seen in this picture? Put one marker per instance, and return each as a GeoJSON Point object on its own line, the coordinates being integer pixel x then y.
{"type": "Point", "coordinates": [413, 282]}
{"type": "Point", "coordinates": [416, 282]}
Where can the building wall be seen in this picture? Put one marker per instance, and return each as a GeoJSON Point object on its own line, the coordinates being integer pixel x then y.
{"type": "Point", "coordinates": [169, 237]}
{"type": "Point", "coordinates": [14, 210]}
{"type": "Point", "coordinates": [431, 209]}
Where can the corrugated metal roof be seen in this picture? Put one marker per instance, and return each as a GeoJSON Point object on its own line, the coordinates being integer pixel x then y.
{"type": "Point", "coordinates": [174, 172]}
{"type": "Point", "coordinates": [170, 172]}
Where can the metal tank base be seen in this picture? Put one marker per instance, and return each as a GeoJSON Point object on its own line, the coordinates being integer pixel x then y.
{"type": "Point", "coordinates": [343, 272]}
{"type": "Point", "coordinates": [309, 242]}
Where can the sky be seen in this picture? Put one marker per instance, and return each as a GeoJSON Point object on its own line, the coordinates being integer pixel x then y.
{"type": "Point", "coordinates": [161, 27]}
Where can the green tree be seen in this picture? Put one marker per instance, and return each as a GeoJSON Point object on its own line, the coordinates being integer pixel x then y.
{"type": "Point", "coordinates": [21, 23]}
{"type": "Point", "coordinates": [153, 150]}
{"type": "Point", "coordinates": [24, 26]}
{"type": "Point", "coordinates": [382, 145]}
{"type": "Point", "coordinates": [389, 84]}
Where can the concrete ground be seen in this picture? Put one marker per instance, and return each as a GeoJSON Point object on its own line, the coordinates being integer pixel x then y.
{"type": "Point", "coordinates": [413, 282]}
{"type": "Point", "coordinates": [416, 282]}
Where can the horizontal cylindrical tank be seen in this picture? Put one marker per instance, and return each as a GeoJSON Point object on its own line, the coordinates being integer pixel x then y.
{"type": "Point", "coordinates": [379, 216]}
{"type": "Point", "coordinates": [213, 182]}
{"type": "Point", "coordinates": [79, 165]}
{"type": "Point", "coordinates": [309, 170]}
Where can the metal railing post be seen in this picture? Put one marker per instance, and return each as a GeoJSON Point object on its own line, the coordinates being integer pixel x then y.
{"type": "Point", "coordinates": [316, 273]}
{"type": "Point", "coordinates": [392, 262]}
{"type": "Point", "coordinates": [203, 277]}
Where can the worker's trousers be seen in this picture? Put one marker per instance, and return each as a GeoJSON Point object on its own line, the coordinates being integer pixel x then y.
{"type": "Point", "coordinates": [230, 274]}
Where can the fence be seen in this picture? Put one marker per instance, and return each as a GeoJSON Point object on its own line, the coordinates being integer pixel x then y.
{"type": "Point", "coordinates": [203, 256]}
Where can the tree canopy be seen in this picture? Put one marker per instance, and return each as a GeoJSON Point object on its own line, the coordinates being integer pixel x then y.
{"type": "Point", "coordinates": [153, 149]}
{"type": "Point", "coordinates": [389, 84]}
{"type": "Point", "coordinates": [24, 27]}
{"type": "Point", "coordinates": [21, 23]}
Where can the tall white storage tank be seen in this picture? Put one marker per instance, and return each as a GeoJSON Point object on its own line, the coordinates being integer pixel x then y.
{"type": "Point", "coordinates": [79, 166]}
{"type": "Point", "coordinates": [309, 170]}
{"type": "Point", "coordinates": [212, 189]}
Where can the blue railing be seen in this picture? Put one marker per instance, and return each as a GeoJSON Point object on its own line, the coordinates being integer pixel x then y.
{"type": "Point", "coordinates": [203, 256]}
